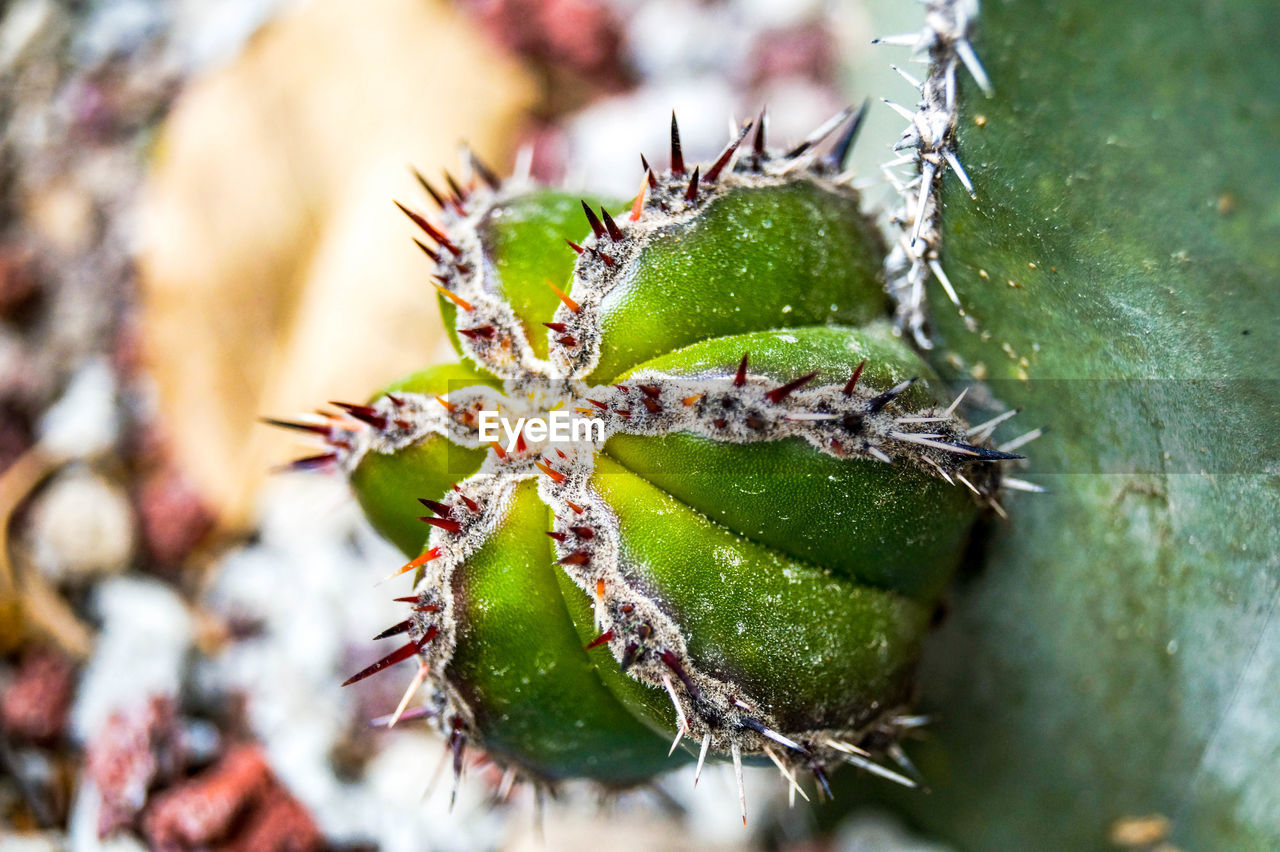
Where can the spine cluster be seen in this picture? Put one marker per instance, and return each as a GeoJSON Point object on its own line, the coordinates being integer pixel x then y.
{"type": "Point", "coordinates": [930, 143]}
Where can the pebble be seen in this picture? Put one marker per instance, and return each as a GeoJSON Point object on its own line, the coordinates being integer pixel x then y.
{"type": "Point", "coordinates": [81, 526]}
{"type": "Point", "coordinates": [147, 632]}
{"type": "Point", "coordinates": [84, 423]}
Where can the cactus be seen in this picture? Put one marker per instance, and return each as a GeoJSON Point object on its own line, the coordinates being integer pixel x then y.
{"type": "Point", "coordinates": [1110, 670]}
{"type": "Point", "coordinates": [1106, 665]}
{"type": "Point", "coordinates": [748, 549]}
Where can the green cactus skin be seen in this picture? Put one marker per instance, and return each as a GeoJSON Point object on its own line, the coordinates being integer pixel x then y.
{"type": "Point", "coordinates": [749, 554]}
{"type": "Point", "coordinates": [1118, 654]}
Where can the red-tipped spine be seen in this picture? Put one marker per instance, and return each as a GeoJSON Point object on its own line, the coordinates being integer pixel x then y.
{"type": "Point", "coordinates": [471, 504]}
{"type": "Point", "coordinates": [602, 639]}
{"type": "Point", "coordinates": [610, 226]}
{"type": "Point", "coordinates": [593, 220]}
{"type": "Point", "coordinates": [781, 392]}
{"type": "Point", "coordinates": [847, 390]}
{"type": "Point", "coordinates": [395, 630]}
{"type": "Point", "coordinates": [726, 155]}
{"type": "Point", "coordinates": [441, 509]}
{"type": "Point", "coordinates": [430, 230]}
{"type": "Point", "coordinates": [363, 413]}
{"type": "Point", "coordinates": [691, 194]}
{"type": "Point", "coordinates": [400, 654]}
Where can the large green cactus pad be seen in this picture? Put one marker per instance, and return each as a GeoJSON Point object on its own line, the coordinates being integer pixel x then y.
{"type": "Point", "coordinates": [1117, 653]}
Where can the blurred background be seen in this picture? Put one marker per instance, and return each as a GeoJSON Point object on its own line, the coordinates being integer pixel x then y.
{"type": "Point", "coordinates": [196, 230]}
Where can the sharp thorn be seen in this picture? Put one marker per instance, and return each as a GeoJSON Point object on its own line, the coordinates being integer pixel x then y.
{"type": "Point", "coordinates": [443, 523]}
{"type": "Point", "coordinates": [970, 59]}
{"type": "Point", "coordinates": [677, 155]}
{"type": "Point", "coordinates": [758, 143]}
{"type": "Point", "coordinates": [727, 154]}
{"type": "Point", "coordinates": [910, 78]}
{"type": "Point", "coordinates": [453, 297]}
{"type": "Point", "coordinates": [954, 162]}
{"type": "Point", "coordinates": [593, 220]}
{"type": "Point", "coordinates": [847, 390]}
{"type": "Point", "coordinates": [441, 509]}
{"type": "Point", "coordinates": [395, 630]}
{"type": "Point", "coordinates": [309, 463]}
{"type": "Point", "coordinates": [431, 190]}
{"type": "Point", "coordinates": [556, 476]}
{"type": "Point", "coordinates": [984, 429]}
{"type": "Point", "coordinates": [903, 40]}
{"type": "Point", "coordinates": [737, 773]}
{"type": "Point", "coordinates": [602, 639]}
{"type": "Point", "coordinates": [615, 233]}
{"type": "Point", "coordinates": [740, 378]}
{"type": "Point", "coordinates": [878, 402]}
{"type": "Point", "coordinates": [429, 229]}
{"type": "Point", "coordinates": [435, 256]}
{"type": "Point", "coordinates": [652, 178]}
{"type": "Point", "coordinates": [900, 110]}
{"type": "Point", "coordinates": [702, 757]}
{"type": "Point", "coordinates": [840, 150]}
{"type": "Point", "coordinates": [1025, 438]}
{"type": "Point", "coordinates": [821, 133]}
{"type": "Point", "coordinates": [781, 392]}
{"type": "Point", "coordinates": [414, 686]}
{"type": "Point", "coordinates": [1022, 485]}
{"type": "Point", "coordinates": [691, 194]}
{"type": "Point", "coordinates": [486, 174]}
{"type": "Point", "coordinates": [637, 208]}
{"type": "Point", "coordinates": [314, 428]}
{"type": "Point", "coordinates": [412, 565]}
{"type": "Point", "coordinates": [760, 728]}
{"type": "Point", "coordinates": [459, 195]}
{"type": "Point", "coordinates": [363, 413]}
{"type": "Point", "coordinates": [955, 403]}
{"type": "Point", "coordinates": [471, 504]}
{"type": "Point", "coordinates": [564, 297]}
{"type": "Point", "coordinates": [400, 654]}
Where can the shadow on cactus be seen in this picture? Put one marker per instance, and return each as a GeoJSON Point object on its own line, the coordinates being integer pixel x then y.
{"type": "Point", "coordinates": [685, 480]}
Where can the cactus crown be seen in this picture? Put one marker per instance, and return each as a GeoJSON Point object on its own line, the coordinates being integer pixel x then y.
{"type": "Point", "coordinates": [857, 404]}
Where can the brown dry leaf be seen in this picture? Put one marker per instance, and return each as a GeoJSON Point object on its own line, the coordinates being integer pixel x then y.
{"type": "Point", "coordinates": [276, 272]}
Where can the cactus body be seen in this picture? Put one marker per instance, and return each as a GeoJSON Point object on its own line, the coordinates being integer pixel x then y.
{"type": "Point", "coordinates": [1114, 665]}
{"type": "Point", "coordinates": [748, 553]}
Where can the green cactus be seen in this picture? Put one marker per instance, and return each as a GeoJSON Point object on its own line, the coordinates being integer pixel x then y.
{"type": "Point", "coordinates": [1114, 661]}
{"type": "Point", "coordinates": [739, 562]}
{"type": "Point", "coordinates": [748, 549]}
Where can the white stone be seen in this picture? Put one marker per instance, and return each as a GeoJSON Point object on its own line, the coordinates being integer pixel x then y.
{"type": "Point", "coordinates": [84, 422]}
{"type": "Point", "coordinates": [81, 526]}
{"type": "Point", "coordinates": [141, 652]}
